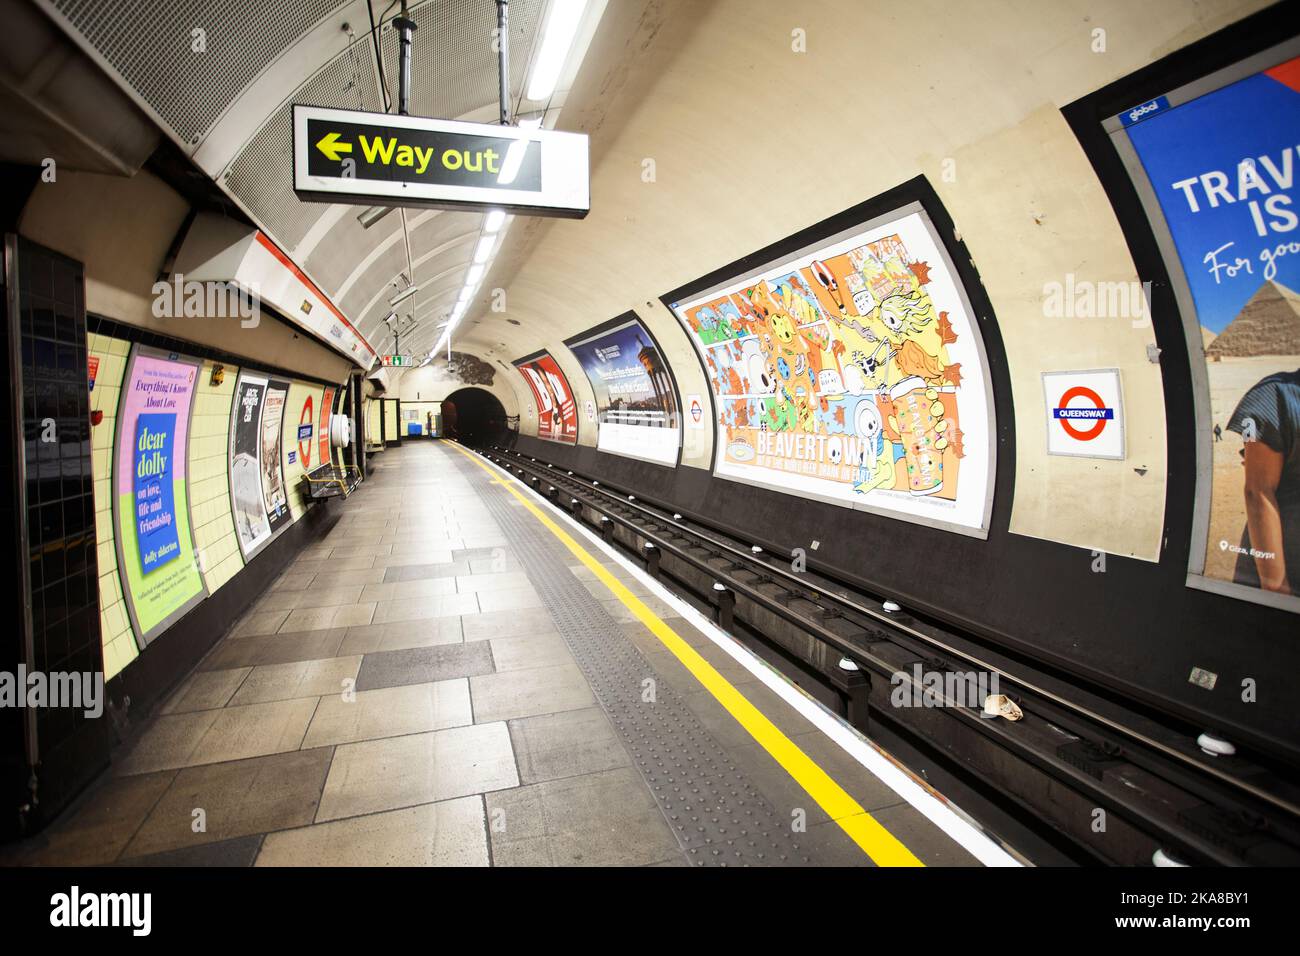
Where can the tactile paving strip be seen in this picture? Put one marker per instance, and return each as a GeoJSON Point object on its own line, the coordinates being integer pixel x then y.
{"type": "Point", "coordinates": [718, 815]}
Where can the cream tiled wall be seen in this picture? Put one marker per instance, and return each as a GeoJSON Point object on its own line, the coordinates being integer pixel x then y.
{"type": "Point", "coordinates": [115, 624]}
{"type": "Point", "coordinates": [209, 484]}
{"type": "Point", "coordinates": [214, 526]}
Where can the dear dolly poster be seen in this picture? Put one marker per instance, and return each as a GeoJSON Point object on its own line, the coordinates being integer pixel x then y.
{"type": "Point", "coordinates": [155, 550]}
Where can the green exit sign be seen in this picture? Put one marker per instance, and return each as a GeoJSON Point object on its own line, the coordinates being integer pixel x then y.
{"type": "Point", "coordinates": [397, 361]}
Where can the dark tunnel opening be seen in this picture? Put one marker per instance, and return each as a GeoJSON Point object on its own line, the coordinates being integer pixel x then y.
{"type": "Point", "coordinates": [473, 416]}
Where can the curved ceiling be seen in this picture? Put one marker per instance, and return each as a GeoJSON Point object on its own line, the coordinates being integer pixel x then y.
{"type": "Point", "coordinates": [221, 77]}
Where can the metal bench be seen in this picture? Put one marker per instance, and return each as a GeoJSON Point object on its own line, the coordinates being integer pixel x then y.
{"type": "Point", "coordinates": [331, 481]}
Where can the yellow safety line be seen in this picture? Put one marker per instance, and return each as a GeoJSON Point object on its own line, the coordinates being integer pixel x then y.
{"type": "Point", "coordinates": [874, 840]}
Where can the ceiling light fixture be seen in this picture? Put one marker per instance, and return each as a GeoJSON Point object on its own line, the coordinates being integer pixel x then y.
{"type": "Point", "coordinates": [561, 27]}
{"type": "Point", "coordinates": [492, 224]}
{"type": "Point", "coordinates": [404, 295]}
{"type": "Point", "coordinates": [484, 250]}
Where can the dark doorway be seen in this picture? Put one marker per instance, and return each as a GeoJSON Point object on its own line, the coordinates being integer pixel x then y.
{"type": "Point", "coordinates": [474, 416]}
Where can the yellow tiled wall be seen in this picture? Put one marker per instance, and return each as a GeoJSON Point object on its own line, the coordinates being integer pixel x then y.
{"type": "Point", "coordinates": [214, 526]}
{"type": "Point", "coordinates": [115, 623]}
{"type": "Point", "coordinates": [209, 483]}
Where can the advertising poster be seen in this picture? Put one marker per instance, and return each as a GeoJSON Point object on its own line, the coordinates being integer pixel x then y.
{"type": "Point", "coordinates": [323, 456]}
{"type": "Point", "coordinates": [636, 406]}
{"type": "Point", "coordinates": [155, 550]}
{"type": "Point", "coordinates": [853, 372]}
{"type": "Point", "coordinates": [251, 525]}
{"type": "Point", "coordinates": [1217, 164]}
{"type": "Point", "coordinates": [557, 412]}
{"type": "Point", "coordinates": [271, 454]}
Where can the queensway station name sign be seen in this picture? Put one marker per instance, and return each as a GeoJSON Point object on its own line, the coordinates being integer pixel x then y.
{"type": "Point", "coordinates": [383, 159]}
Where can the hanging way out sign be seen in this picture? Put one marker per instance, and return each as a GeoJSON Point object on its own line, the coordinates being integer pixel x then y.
{"type": "Point", "coordinates": [382, 159]}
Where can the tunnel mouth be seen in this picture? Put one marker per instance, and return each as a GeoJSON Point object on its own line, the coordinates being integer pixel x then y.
{"type": "Point", "coordinates": [474, 416]}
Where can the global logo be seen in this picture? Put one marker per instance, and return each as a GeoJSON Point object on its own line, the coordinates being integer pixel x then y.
{"type": "Point", "coordinates": [1096, 412]}
{"type": "Point", "coordinates": [1146, 109]}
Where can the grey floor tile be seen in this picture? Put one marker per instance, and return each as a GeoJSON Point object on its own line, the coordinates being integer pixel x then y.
{"type": "Point", "coordinates": [260, 622]}
{"type": "Point", "coordinates": [213, 736]}
{"type": "Point", "coordinates": [535, 650]}
{"type": "Point", "coordinates": [418, 609]}
{"type": "Point", "coordinates": [401, 590]}
{"type": "Point", "coordinates": [236, 799]}
{"type": "Point", "coordinates": [205, 690]}
{"type": "Point", "coordinates": [483, 627]}
{"type": "Point", "coordinates": [324, 618]}
{"type": "Point", "coordinates": [527, 693]}
{"type": "Point", "coordinates": [420, 665]}
{"type": "Point", "coordinates": [514, 599]}
{"type": "Point", "coordinates": [395, 772]}
{"type": "Point", "coordinates": [417, 572]}
{"type": "Point", "coordinates": [450, 833]}
{"type": "Point", "coordinates": [278, 649]}
{"type": "Point", "coordinates": [371, 638]}
{"type": "Point", "coordinates": [299, 679]}
{"type": "Point", "coordinates": [601, 819]}
{"type": "Point", "coordinates": [389, 711]}
{"type": "Point", "coordinates": [239, 852]}
{"type": "Point", "coordinates": [97, 830]}
{"type": "Point", "coordinates": [568, 744]}
{"type": "Point", "coordinates": [495, 581]}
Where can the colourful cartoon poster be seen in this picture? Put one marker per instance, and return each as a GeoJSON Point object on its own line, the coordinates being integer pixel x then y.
{"type": "Point", "coordinates": [1221, 162]}
{"type": "Point", "coordinates": [854, 372]}
{"type": "Point", "coordinates": [157, 561]}
{"type": "Point", "coordinates": [270, 455]}
{"type": "Point", "coordinates": [557, 412]}
{"type": "Point", "coordinates": [247, 502]}
{"type": "Point", "coordinates": [636, 404]}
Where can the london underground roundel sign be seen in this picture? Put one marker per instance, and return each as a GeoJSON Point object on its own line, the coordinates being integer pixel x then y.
{"type": "Point", "coordinates": [1084, 413]}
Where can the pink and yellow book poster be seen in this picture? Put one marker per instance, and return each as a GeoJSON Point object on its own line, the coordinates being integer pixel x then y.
{"type": "Point", "coordinates": [156, 557]}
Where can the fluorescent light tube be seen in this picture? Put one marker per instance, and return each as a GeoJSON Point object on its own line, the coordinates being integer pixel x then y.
{"type": "Point", "coordinates": [561, 27]}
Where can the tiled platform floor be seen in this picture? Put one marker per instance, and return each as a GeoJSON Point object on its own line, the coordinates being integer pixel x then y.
{"type": "Point", "coordinates": [400, 695]}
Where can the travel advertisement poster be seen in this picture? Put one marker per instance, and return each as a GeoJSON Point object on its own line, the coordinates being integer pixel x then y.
{"type": "Point", "coordinates": [636, 405]}
{"type": "Point", "coordinates": [155, 550]}
{"type": "Point", "coordinates": [1221, 161]}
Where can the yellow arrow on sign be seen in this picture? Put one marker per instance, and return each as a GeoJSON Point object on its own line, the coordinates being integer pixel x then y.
{"type": "Point", "coordinates": [331, 147]}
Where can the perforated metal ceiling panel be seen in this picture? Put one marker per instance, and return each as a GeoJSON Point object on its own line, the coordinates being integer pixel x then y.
{"type": "Point", "coordinates": [262, 176]}
{"type": "Point", "coordinates": [152, 46]}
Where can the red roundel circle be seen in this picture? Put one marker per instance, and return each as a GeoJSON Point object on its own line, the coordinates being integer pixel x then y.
{"type": "Point", "coordinates": [1082, 434]}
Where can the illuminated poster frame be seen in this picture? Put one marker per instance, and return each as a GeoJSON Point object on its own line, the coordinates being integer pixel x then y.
{"type": "Point", "coordinates": [543, 373]}
{"type": "Point", "coordinates": [254, 529]}
{"type": "Point", "coordinates": [129, 471]}
{"type": "Point", "coordinates": [603, 353]}
{"type": "Point", "coordinates": [1168, 224]}
{"type": "Point", "coordinates": [808, 308]}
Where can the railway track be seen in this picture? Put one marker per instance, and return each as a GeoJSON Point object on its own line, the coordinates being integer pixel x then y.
{"type": "Point", "coordinates": [1082, 777]}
